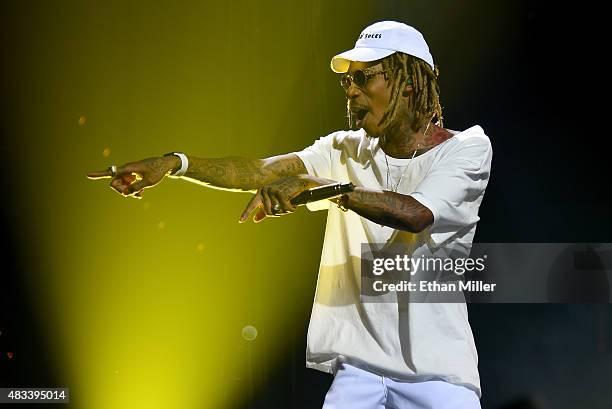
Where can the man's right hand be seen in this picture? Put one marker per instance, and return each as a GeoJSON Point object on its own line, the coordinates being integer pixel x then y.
{"type": "Point", "coordinates": [132, 178]}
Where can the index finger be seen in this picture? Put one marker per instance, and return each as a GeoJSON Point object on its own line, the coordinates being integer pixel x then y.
{"type": "Point", "coordinates": [100, 174]}
{"type": "Point", "coordinates": [253, 203]}
{"type": "Point", "coordinates": [107, 173]}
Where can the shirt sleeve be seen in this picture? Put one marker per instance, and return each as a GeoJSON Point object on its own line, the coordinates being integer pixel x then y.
{"type": "Point", "coordinates": [318, 161]}
{"type": "Point", "coordinates": [454, 187]}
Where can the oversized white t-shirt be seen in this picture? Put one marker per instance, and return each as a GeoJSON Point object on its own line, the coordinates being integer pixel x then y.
{"type": "Point", "coordinates": [405, 341]}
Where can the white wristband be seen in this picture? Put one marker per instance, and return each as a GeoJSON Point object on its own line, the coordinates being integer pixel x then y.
{"type": "Point", "coordinates": [184, 163]}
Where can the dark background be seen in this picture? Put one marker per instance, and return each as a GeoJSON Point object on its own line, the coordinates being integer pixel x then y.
{"type": "Point", "coordinates": [540, 97]}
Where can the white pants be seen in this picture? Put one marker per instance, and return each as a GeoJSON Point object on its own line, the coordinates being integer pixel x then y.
{"type": "Point", "coordinates": [354, 388]}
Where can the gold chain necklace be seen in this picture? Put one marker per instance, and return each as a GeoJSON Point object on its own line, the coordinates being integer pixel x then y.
{"type": "Point", "coordinates": [399, 182]}
{"type": "Point", "coordinates": [395, 188]}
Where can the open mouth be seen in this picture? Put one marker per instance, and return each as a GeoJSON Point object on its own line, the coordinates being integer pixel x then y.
{"type": "Point", "coordinates": [359, 113]}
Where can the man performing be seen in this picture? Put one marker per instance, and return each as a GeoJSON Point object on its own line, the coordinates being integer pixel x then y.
{"type": "Point", "coordinates": [406, 180]}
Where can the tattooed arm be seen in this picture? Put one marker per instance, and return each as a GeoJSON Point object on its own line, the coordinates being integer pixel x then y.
{"type": "Point", "coordinates": [241, 174]}
{"type": "Point", "coordinates": [234, 174]}
{"type": "Point", "coordinates": [391, 209]}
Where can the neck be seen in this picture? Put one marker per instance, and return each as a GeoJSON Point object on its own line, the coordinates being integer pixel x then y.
{"type": "Point", "coordinates": [402, 142]}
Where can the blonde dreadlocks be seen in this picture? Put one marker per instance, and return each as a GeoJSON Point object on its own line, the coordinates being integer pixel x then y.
{"type": "Point", "coordinates": [425, 104]}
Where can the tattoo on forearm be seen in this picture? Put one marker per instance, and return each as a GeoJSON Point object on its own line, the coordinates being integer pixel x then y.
{"type": "Point", "coordinates": [236, 173]}
{"type": "Point", "coordinates": [390, 208]}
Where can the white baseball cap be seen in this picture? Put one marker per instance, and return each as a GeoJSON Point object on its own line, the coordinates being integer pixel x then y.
{"type": "Point", "coordinates": [382, 39]}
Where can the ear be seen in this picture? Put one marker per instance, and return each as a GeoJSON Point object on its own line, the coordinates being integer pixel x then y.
{"type": "Point", "coordinates": [407, 89]}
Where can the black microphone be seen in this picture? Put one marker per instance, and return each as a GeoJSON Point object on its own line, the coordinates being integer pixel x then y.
{"type": "Point", "coordinates": [322, 192]}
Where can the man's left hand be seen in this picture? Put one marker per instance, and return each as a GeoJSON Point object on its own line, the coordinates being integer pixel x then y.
{"type": "Point", "coordinates": [274, 199]}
